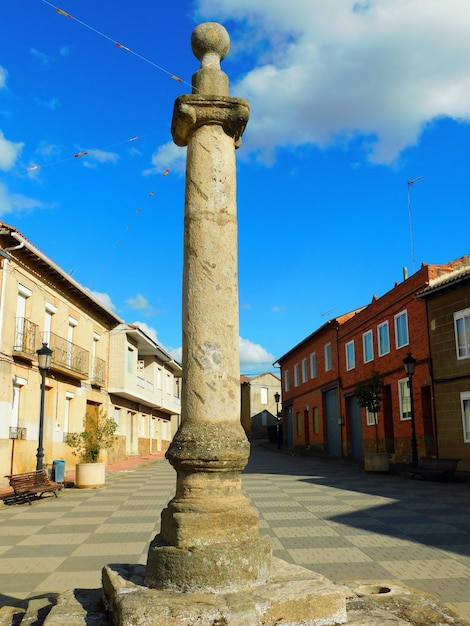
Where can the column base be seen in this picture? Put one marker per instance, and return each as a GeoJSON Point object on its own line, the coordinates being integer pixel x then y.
{"type": "Point", "coordinates": [293, 596]}
{"type": "Point", "coordinates": [215, 568]}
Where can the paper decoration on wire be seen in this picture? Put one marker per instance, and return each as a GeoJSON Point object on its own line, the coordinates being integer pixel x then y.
{"type": "Point", "coordinates": [116, 43]}
{"type": "Point", "coordinates": [80, 154]}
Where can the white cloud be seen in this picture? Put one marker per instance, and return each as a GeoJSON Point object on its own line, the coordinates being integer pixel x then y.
{"type": "Point", "coordinates": [140, 303]}
{"type": "Point", "coordinates": [15, 202]}
{"type": "Point", "coordinates": [105, 299]}
{"type": "Point", "coordinates": [148, 330]}
{"type": "Point", "coordinates": [3, 77]}
{"type": "Point", "coordinates": [168, 156]}
{"type": "Point", "coordinates": [9, 152]}
{"type": "Point", "coordinates": [95, 156]}
{"type": "Point", "coordinates": [254, 354]}
{"type": "Point", "coordinates": [41, 56]}
{"type": "Point", "coordinates": [330, 72]}
{"type": "Point", "coordinates": [176, 354]}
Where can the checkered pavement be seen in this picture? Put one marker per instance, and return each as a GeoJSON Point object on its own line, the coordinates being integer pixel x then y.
{"type": "Point", "coordinates": [328, 516]}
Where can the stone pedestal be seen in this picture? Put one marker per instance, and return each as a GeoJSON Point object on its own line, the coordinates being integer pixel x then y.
{"type": "Point", "coordinates": [294, 596]}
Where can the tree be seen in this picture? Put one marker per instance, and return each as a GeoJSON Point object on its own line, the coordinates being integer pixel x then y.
{"type": "Point", "coordinates": [98, 434]}
{"type": "Point", "coordinates": [369, 396]}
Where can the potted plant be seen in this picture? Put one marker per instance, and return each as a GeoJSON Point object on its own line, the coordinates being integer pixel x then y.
{"type": "Point", "coordinates": [98, 434]}
{"type": "Point", "coordinates": [369, 396]}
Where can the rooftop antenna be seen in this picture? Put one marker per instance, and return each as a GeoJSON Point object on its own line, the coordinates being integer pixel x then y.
{"type": "Point", "coordinates": [329, 311]}
{"type": "Point", "coordinates": [409, 183]}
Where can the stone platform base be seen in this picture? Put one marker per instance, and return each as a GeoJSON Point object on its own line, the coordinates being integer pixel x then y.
{"type": "Point", "coordinates": [294, 596]}
{"type": "Point", "coordinates": [368, 603]}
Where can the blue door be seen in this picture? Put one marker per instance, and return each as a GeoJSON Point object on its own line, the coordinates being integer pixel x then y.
{"type": "Point", "coordinates": [333, 433]}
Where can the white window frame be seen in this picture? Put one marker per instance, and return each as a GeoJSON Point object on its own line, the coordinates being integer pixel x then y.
{"type": "Point", "coordinates": [380, 327]}
{"type": "Point", "coordinates": [465, 404]}
{"type": "Point", "coordinates": [263, 395]}
{"type": "Point", "coordinates": [304, 370]}
{"type": "Point", "coordinates": [368, 343]}
{"type": "Point", "coordinates": [328, 357]}
{"type": "Point", "coordinates": [296, 375]}
{"type": "Point", "coordinates": [370, 417]}
{"type": "Point", "coordinates": [397, 316]}
{"type": "Point", "coordinates": [462, 348]}
{"type": "Point", "coordinates": [350, 356]}
{"type": "Point", "coordinates": [405, 400]}
{"type": "Point", "coordinates": [313, 365]}
{"type": "Point", "coordinates": [286, 380]}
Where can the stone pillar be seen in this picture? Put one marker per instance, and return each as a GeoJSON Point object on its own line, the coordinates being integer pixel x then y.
{"type": "Point", "coordinates": [209, 537]}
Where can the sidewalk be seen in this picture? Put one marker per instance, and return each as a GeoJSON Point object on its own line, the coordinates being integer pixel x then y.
{"type": "Point", "coordinates": [121, 466]}
{"type": "Point", "coordinates": [328, 516]}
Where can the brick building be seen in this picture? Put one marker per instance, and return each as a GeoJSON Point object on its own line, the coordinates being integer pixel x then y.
{"type": "Point", "coordinates": [320, 373]}
{"type": "Point", "coordinates": [448, 309]}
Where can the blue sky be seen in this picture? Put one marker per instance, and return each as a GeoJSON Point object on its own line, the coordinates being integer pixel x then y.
{"type": "Point", "coordinates": [350, 99]}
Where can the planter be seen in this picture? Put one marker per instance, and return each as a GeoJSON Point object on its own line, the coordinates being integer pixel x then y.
{"type": "Point", "coordinates": [90, 475]}
{"type": "Point", "coordinates": [376, 462]}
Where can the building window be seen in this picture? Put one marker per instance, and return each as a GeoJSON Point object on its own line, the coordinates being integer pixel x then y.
{"type": "Point", "coordinates": [22, 340]}
{"type": "Point", "coordinates": [371, 417]}
{"type": "Point", "coordinates": [313, 365]}
{"type": "Point", "coordinates": [465, 399]}
{"type": "Point", "coordinates": [462, 333]}
{"type": "Point", "coordinates": [405, 401]}
{"type": "Point", "coordinates": [296, 375]}
{"type": "Point", "coordinates": [328, 361]}
{"type": "Point", "coordinates": [401, 329]}
{"type": "Point", "coordinates": [69, 396]}
{"type": "Point", "coordinates": [299, 424]}
{"type": "Point", "coordinates": [383, 339]}
{"type": "Point", "coordinates": [304, 370]}
{"type": "Point", "coordinates": [316, 424]}
{"type": "Point", "coordinates": [350, 359]}
{"type": "Point", "coordinates": [286, 381]}
{"type": "Point", "coordinates": [264, 395]}
{"type": "Point", "coordinates": [368, 346]}
{"type": "Point", "coordinates": [130, 360]}
{"type": "Point", "coordinates": [18, 384]}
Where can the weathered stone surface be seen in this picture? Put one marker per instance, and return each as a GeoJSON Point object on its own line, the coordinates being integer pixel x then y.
{"type": "Point", "coordinates": [293, 596]}
{"type": "Point", "coordinates": [78, 607]}
{"type": "Point", "coordinates": [387, 602]}
{"type": "Point", "coordinates": [10, 615]}
{"type": "Point", "coordinates": [209, 538]}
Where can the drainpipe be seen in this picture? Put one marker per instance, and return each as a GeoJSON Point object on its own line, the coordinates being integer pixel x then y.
{"type": "Point", "coordinates": [341, 420]}
{"type": "Point", "coordinates": [4, 265]}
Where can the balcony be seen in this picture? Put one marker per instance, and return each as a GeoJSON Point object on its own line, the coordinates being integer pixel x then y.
{"type": "Point", "coordinates": [68, 357]}
{"type": "Point", "coordinates": [26, 338]}
{"type": "Point", "coordinates": [98, 372]}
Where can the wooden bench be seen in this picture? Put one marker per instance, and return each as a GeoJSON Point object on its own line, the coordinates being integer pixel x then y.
{"type": "Point", "coordinates": [30, 485]}
{"type": "Point", "coordinates": [428, 465]}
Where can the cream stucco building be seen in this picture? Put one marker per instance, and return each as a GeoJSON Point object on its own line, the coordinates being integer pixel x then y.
{"type": "Point", "coordinates": [40, 302]}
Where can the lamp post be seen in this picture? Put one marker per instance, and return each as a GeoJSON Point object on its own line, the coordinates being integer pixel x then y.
{"type": "Point", "coordinates": [44, 362]}
{"type": "Point", "coordinates": [277, 397]}
{"type": "Point", "coordinates": [409, 364]}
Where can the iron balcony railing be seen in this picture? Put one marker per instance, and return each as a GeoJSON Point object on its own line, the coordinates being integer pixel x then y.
{"type": "Point", "coordinates": [98, 371]}
{"type": "Point", "coordinates": [66, 354]}
{"type": "Point", "coordinates": [26, 336]}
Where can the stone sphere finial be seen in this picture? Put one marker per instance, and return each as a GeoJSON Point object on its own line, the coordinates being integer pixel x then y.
{"type": "Point", "coordinates": [210, 43]}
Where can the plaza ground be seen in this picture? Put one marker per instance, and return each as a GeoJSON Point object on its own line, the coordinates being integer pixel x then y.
{"type": "Point", "coordinates": [326, 515]}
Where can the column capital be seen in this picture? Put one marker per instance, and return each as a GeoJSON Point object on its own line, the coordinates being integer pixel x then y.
{"type": "Point", "coordinates": [195, 110]}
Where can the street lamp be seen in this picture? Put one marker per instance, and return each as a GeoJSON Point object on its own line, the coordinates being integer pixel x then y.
{"type": "Point", "coordinates": [409, 364]}
{"type": "Point", "coordinates": [277, 397]}
{"type": "Point", "coordinates": [44, 362]}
